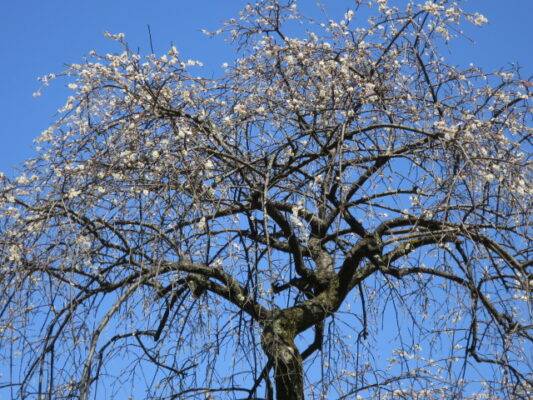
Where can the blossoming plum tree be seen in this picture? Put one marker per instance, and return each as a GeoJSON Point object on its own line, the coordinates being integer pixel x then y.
{"type": "Point", "coordinates": [342, 214]}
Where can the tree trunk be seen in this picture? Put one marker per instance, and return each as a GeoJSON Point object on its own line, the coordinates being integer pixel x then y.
{"type": "Point", "coordinates": [278, 343]}
{"type": "Point", "coordinates": [289, 377]}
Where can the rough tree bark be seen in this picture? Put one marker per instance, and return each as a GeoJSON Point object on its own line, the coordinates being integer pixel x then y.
{"type": "Point", "coordinates": [278, 343]}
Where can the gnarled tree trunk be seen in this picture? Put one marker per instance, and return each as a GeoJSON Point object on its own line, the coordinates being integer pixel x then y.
{"type": "Point", "coordinates": [278, 343]}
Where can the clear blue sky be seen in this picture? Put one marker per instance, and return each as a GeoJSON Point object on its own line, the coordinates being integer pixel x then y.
{"type": "Point", "coordinates": [37, 37]}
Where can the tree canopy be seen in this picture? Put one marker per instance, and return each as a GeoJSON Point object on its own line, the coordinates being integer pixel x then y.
{"type": "Point", "coordinates": [342, 213]}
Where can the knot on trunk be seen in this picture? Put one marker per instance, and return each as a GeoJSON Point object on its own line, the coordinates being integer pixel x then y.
{"type": "Point", "coordinates": [324, 271]}
{"type": "Point", "coordinates": [278, 336]}
{"type": "Point", "coordinates": [197, 284]}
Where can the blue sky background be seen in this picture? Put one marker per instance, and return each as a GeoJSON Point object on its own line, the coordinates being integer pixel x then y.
{"type": "Point", "coordinates": [38, 37]}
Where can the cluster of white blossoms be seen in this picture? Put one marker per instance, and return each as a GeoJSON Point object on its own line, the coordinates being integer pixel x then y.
{"type": "Point", "coordinates": [432, 7]}
{"type": "Point", "coordinates": [140, 124]}
{"type": "Point", "coordinates": [478, 19]}
{"type": "Point", "coordinates": [151, 126]}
